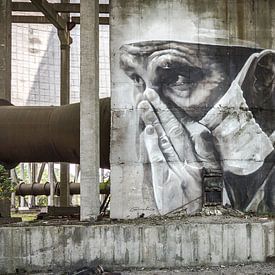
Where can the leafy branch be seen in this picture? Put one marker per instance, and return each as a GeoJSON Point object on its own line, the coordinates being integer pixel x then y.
{"type": "Point", "coordinates": [6, 185]}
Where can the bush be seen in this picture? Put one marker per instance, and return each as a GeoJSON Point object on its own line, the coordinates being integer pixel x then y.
{"type": "Point", "coordinates": [6, 185]}
{"type": "Point", "coordinates": [42, 201]}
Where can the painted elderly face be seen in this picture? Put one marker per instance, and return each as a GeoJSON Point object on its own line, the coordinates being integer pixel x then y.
{"type": "Point", "coordinates": [184, 76]}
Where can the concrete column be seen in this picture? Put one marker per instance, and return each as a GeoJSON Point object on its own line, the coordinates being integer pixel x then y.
{"type": "Point", "coordinates": [89, 111]}
{"type": "Point", "coordinates": [40, 173]}
{"type": "Point", "coordinates": [51, 181]}
{"type": "Point", "coordinates": [13, 200]}
{"type": "Point", "coordinates": [31, 176]}
{"type": "Point", "coordinates": [22, 176]}
{"type": "Point", "coordinates": [64, 184]}
{"type": "Point", "coordinates": [64, 99]}
{"type": "Point", "coordinates": [15, 180]}
{"type": "Point", "coordinates": [65, 74]}
{"type": "Point", "coordinates": [76, 172]}
{"type": "Point", "coordinates": [5, 49]}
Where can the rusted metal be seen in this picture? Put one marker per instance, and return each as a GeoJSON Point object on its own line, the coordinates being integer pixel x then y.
{"type": "Point", "coordinates": [47, 134]}
{"type": "Point", "coordinates": [38, 189]}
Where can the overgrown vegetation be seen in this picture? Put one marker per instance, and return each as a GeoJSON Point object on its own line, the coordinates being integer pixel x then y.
{"type": "Point", "coordinates": [6, 185]}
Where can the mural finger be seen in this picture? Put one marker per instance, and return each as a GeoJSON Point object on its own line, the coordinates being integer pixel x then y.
{"type": "Point", "coordinates": [150, 118]}
{"type": "Point", "coordinates": [161, 174]}
{"type": "Point", "coordinates": [151, 144]}
{"type": "Point", "coordinates": [172, 127]}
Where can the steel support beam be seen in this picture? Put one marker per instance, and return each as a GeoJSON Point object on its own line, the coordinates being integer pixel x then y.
{"type": "Point", "coordinates": [89, 110]}
{"type": "Point", "coordinates": [5, 49]}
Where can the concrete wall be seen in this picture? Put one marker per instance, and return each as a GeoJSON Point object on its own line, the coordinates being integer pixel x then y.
{"type": "Point", "coordinates": [174, 244]}
{"type": "Point", "coordinates": [192, 99]}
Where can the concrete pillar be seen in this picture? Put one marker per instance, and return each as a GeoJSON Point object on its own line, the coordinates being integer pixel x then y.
{"type": "Point", "coordinates": [64, 184]}
{"type": "Point", "coordinates": [31, 176]}
{"type": "Point", "coordinates": [51, 181]}
{"type": "Point", "coordinates": [40, 173]}
{"type": "Point", "coordinates": [5, 49]}
{"type": "Point", "coordinates": [22, 176]}
{"type": "Point", "coordinates": [15, 180]}
{"type": "Point", "coordinates": [89, 110]}
{"type": "Point", "coordinates": [64, 99]}
{"type": "Point", "coordinates": [13, 200]}
{"type": "Point", "coordinates": [76, 172]}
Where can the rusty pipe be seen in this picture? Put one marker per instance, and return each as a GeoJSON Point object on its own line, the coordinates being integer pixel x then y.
{"type": "Point", "coordinates": [34, 189]}
{"type": "Point", "coordinates": [38, 189]}
{"type": "Point", "coordinates": [47, 134]}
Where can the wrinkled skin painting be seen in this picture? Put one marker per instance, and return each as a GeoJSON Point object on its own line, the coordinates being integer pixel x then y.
{"type": "Point", "coordinates": [204, 109]}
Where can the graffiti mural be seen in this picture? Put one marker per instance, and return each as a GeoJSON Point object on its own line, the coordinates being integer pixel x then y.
{"type": "Point", "coordinates": [204, 109]}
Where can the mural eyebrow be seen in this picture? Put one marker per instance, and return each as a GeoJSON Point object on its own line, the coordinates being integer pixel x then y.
{"type": "Point", "coordinates": [172, 54]}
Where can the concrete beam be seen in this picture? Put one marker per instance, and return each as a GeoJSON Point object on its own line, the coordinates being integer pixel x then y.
{"type": "Point", "coordinates": [51, 14]}
{"type": "Point", "coordinates": [31, 19]}
{"type": "Point", "coordinates": [59, 7]}
{"type": "Point", "coordinates": [5, 49]}
{"type": "Point", "coordinates": [89, 110]}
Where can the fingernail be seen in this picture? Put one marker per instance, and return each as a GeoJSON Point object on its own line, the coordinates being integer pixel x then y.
{"type": "Point", "coordinates": [149, 130]}
{"type": "Point", "coordinates": [151, 94]}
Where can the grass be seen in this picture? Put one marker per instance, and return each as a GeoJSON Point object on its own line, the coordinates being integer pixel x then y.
{"type": "Point", "coordinates": [26, 217]}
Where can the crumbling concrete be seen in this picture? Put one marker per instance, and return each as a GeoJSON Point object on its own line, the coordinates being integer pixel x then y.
{"type": "Point", "coordinates": [148, 244]}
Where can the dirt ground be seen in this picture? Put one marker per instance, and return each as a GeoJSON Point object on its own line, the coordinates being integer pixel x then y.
{"type": "Point", "coordinates": [257, 268]}
{"type": "Point", "coordinates": [217, 214]}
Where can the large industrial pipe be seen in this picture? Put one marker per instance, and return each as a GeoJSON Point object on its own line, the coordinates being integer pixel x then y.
{"type": "Point", "coordinates": [37, 189]}
{"type": "Point", "coordinates": [47, 134]}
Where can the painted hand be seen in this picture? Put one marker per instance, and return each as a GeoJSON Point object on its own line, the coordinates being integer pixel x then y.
{"type": "Point", "coordinates": [176, 175]}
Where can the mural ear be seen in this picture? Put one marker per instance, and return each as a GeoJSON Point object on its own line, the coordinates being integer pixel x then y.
{"type": "Point", "coordinates": [265, 73]}
{"type": "Point", "coordinates": [259, 89]}
{"type": "Point", "coordinates": [259, 82]}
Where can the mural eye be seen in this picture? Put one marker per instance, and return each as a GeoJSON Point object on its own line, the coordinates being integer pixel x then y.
{"type": "Point", "coordinates": [137, 80]}
{"type": "Point", "coordinates": [181, 80]}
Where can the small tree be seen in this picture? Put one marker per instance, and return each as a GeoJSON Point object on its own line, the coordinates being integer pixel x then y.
{"type": "Point", "coordinates": [6, 185]}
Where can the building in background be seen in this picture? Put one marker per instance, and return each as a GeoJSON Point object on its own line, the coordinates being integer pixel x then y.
{"type": "Point", "coordinates": [36, 64]}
